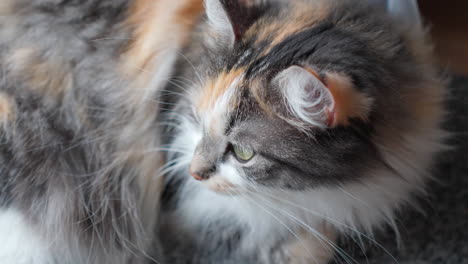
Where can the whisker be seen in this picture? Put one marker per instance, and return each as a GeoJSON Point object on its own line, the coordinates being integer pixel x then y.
{"type": "Point", "coordinates": [174, 165]}
{"type": "Point", "coordinates": [276, 197]}
{"type": "Point", "coordinates": [316, 234]}
{"type": "Point", "coordinates": [283, 224]}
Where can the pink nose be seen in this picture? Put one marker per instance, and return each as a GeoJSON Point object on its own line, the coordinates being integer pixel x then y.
{"type": "Point", "coordinates": [196, 176]}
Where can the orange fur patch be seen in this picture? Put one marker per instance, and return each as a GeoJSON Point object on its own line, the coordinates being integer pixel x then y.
{"type": "Point", "coordinates": [217, 88]}
{"type": "Point", "coordinates": [303, 15]}
{"type": "Point", "coordinates": [158, 26]}
{"type": "Point", "coordinates": [349, 103]}
{"type": "Point", "coordinates": [48, 76]}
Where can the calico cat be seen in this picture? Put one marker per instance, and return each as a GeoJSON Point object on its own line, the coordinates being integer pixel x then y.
{"type": "Point", "coordinates": [292, 122]}
{"type": "Point", "coordinates": [78, 162]}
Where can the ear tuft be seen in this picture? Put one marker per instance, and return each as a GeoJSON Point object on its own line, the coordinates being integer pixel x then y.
{"type": "Point", "coordinates": [320, 103]}
{"type": "Point", "coordinates": [349, 102]}
{"type": "Point", "coordinates": [232, 18]}
{"type": "Point", "coordinates": [306, 96]}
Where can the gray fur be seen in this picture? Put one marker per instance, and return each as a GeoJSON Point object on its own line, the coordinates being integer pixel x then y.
{"type": "Point", "coordinates": [63, 159]}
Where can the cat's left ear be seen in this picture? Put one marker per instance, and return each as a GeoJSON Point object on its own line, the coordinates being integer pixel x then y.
{"type": "Point", "coordinates": [230, 19]}
{"type": "Point", "coordinates": [321, 102]}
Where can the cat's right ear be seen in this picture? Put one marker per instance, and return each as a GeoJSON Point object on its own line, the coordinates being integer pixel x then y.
{"type": "Point", "coordinates": [321, 101]}
{"type": "Point", "coordinates": [230, 19]}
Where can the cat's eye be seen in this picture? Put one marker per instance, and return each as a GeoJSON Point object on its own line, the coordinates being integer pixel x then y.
{"type": "Point", "coordinates": [243, 153]}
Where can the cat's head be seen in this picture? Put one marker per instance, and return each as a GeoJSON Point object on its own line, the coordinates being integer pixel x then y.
{"type": "Point", "coordinates": [297, 94]}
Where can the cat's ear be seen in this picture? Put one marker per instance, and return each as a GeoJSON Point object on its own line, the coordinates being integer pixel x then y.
{"type": "Point", "coordinates": [406, 11]}
{"type": "Point", "coordinates": [232, 18]}
{"type": "Point", "coordinates": [318, 102]}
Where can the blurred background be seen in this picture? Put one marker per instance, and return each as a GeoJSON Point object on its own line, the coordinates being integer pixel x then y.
{"type": "Point", "coordinates": [449, 27]}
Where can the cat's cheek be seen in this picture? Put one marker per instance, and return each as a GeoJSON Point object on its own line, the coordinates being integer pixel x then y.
{"type": "Point", "coordinates": [227, 180]}
{"type": "Point", "coordinates": [232, 174]}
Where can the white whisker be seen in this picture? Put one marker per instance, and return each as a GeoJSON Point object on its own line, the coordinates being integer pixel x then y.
{"type": "Point", "coordinates": [285, 226]}
{"type": "Point", "coordinates": [276, 197]}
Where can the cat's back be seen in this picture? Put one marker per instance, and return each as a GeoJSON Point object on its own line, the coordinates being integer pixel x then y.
{"type": "Point", "coordinates": [50, 63]}
{"type": "Point", "coordinates": [77, 128]}
{"type": "Point", "coordinates": [53, 70]}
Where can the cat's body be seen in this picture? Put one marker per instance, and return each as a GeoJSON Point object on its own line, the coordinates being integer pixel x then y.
{"type": "Point", "coordinates": [79, 149]}
{"type": "Point", "coordinates": [298, 120]}
{"type": "Point", "coordinates": [78, 153]}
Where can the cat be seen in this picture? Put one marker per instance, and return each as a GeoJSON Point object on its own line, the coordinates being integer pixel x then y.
{"type": "Point", "coordinates": [290, 123]}
{"type": "Point", "coordinates": [78, 161]}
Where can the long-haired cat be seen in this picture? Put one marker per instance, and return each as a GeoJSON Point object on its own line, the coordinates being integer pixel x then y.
{"type": "Point", "coordinates": [291, 122]}
{"type": "Point", "coordinates": [78, 165]}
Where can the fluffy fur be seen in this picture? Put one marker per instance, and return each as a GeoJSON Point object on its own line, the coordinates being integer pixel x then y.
{"type": "Point", "coordinates": [342, 106]}
{"type": "Point", "coordinates": [79, 154]}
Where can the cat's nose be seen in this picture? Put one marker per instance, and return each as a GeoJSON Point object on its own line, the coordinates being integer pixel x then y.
{"type": "Point", "coordinates": [199, 175]}
{"type": "Point", "coordinates": [196, 176]}
{"type": "Point", "coordinates": [199, 168]}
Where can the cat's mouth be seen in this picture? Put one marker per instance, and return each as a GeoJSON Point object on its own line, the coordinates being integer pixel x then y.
{"type": "Point", "coordinates": [221, 185]}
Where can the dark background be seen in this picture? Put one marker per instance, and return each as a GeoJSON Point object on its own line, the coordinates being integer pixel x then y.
{"type": "Point", "coordinates": [448, 21]}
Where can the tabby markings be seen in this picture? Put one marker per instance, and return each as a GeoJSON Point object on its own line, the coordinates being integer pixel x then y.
{"type": "Point", "coordinates": [304, 15]}
{"type": "Point", "coordinates": [158, 26]}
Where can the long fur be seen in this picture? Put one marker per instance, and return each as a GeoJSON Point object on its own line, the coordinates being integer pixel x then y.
{"type": "Point", "coordinates": [80, 153]}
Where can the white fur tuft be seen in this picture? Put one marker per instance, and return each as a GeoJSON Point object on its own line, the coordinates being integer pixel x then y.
{"type": "Point", "coordinates": [20, 244]}
{"type": "Point", "coordinates": [306, 96]}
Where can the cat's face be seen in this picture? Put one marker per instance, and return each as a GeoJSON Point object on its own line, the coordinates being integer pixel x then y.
{"type": "Point", "coordinates": [288, 97]}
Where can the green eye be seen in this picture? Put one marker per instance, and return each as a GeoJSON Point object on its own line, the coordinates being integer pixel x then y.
{"type": "Point", "coordinates": [243, 153]}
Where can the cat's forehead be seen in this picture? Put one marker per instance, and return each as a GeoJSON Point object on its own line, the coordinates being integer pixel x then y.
{"type": "Point", "coordinates": [275, 28]}
{"type": "Point", "coordinates": [218, 99]}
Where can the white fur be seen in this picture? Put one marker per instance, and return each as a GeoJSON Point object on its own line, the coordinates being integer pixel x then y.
{"type": "Point", "coordinates": [20, 244]}
{"type": "Point", "coordinates": [228, 171]}
{"type": "Point", "coordinates": [297, 86]}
